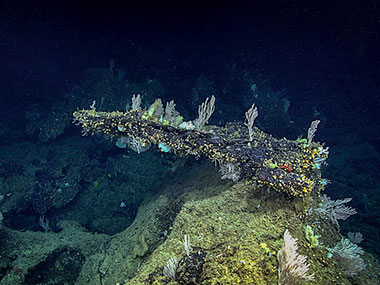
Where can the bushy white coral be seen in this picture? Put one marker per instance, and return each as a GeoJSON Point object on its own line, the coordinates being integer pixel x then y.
{"type": "Point", "coordinates": [292, 266]}
{"type": "Point", "coordinates": [348, 256]}
{"type": "Point", "coordinates": [335, 210]}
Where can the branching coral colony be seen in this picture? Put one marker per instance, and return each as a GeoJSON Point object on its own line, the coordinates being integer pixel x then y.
{"type": "Point", "coordinates": [287, 166]}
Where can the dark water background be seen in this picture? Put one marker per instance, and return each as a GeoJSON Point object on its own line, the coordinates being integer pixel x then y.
{"type": "Point", "coordinates": [308, 61]}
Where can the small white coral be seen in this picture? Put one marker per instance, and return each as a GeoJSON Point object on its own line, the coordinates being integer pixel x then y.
{"type": "Point", "coordinates": [205, 111]}
{"type": "Point", "coordinates": [251, 116]}
{"type": "Point", "coordinates": [187, 245]}
{"type": "Point", "coordinates": [170, 269]}
{"type": "Point", "coordinates": [171, 113]}
{"type": "Point", "coordinates": [311, 131]}
{"type": "Point", "coordinates": [229, 171]}
{"type": "Point", "coordinates": [136, 102]}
